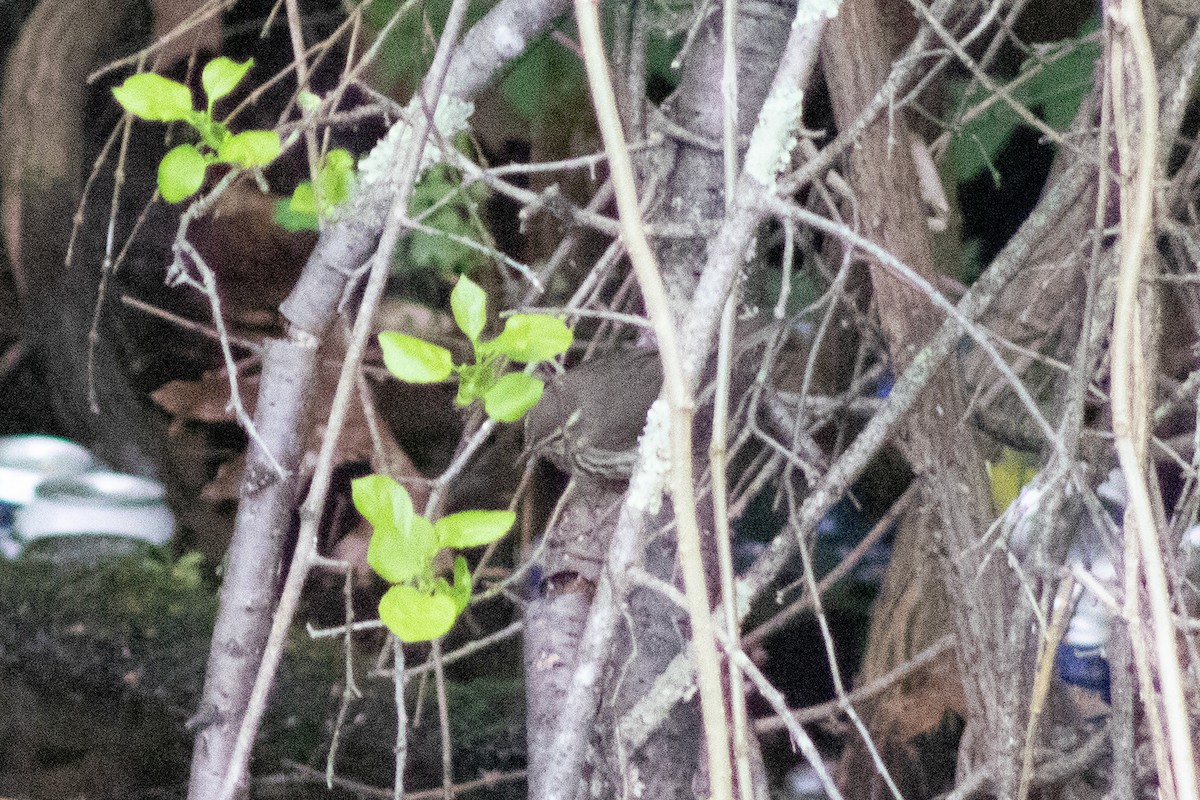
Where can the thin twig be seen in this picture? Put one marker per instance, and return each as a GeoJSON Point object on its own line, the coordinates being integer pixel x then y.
{"type": "Point", "coordinates": [1129, 381]}
{"type": "Point", "coordinates": [835, 672]}
{"type": "Point", "coordinates": [443, 707]}
{"type": "Point", "coordinates": [399, 681]}
{"type": "Point", "coordinates": [190, 325]}
{"type": "Point", "coordinates": [679, 401]}
{"type": "Point", "coordinates": [108, 267]}
{"type": "Point", "coordinates": [1048, 648]}
{"type": "Point", "coordinates": [350, 690]}
{"type": "Point", "coordinates": [772, 695]}
{"type": "Point", "coordinates": [907, 273]}
{"type": "Point", "coordinates": [718, 454]}
{"type": "Point", "coordinates": [300, 63]}
{"type": "Point", "coordinates": [360, 789]}
{"type": "Point", "coordinates": [208, 286]}
{"type": "Point", "coordinates": [843, 568]}
{"type": "Point", "coordinates": [469, 649]}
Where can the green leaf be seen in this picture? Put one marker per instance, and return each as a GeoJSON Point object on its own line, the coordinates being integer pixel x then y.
{"type": "Point", "coordinates": [472, 528]}
{"type": "Point", "coordinates": [474, 380]}
{"type": "Point", "coordinates": [1061, 84]}
{"type": "Point", "coordinates": [416, 616]}
{"type": "Point", "coordinates": [302, 211]}
{"type": "Point", "coordinates": [415, 360]}
{"type": "Point", "coordinates": [382, 501]}
{"type": "Point", "coordinates": [335, 180]}
{"type": "Point", "coordinates": [308, 101]}
{"type": "Point", "coordinates": [452, 214]}
{"type": "Point", "coordinates": [340, 160]}
{"type": "Point", "coordinates": [530, 338]}
{"type": "Point", "coordinates": [181, 173]}
{"type": "Point", "coordinates": [1057, 89]}
{"type": "Point", "coordinates": [512, 396]}
{"type": "Point", "coordinates": [250, 149]}
{"type": "Point", "coordinates": [212, 133]}
{"type": "Point", "coordinates": [434, 251]}
{"type": "Point", "coordinates": [290, 220]}
{"type": "Point", "coordinates": [403, 544]}
{"type": "Point", "coordinates": [304, 200]}
{"type": "Point", "coordinates": [546, 79]}
{"type": "Point", "coordinates": [298, 212]}
{"type": "Point", "coordinates": [154, 97]}
{"type": "Point", "coordinates": [469, 303]}
{"type": "Point", "coordinates": [976, 144]}
{"type": "Point", "coordinates": [460, 591]}
{"type": "Point", "coordinates": [221, 76]}
{"type": "Point", "coordinates": [391, 554]}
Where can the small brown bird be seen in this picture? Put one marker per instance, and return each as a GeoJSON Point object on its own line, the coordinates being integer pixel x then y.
{"type": "Point", "coordinates": [590, 417]}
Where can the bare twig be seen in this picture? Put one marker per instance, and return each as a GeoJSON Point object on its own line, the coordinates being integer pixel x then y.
{"type": "Point", "coordinates": [300, 63]}
{"type": "Point", "coordinates": [443, 707]}
{"type": "Point", "coordinates": [208, 286]}
{"type": "Point", "coordinates": [681, 408]}
{"type": "Point", "coordinates": [350, 690]}
{"type": "Point", "coordinates": [399, 681]}
{"type": "Point", "coordinates": [843, 568]}
{"type": "Point", "coordinates": [1136, 92]}
{"type": "Point", "coordinates": [839, 687]}
{"type": "Point", "coordinates": [1047, 648]}
{"type": "Point", "coordinates": [773, 696]}
{"type": "Point", "coordinates": [189, 325]}
{"type": "Point", "coordinates": [488, 781]}
{"type": "Point", "coordinates": [718, 455]}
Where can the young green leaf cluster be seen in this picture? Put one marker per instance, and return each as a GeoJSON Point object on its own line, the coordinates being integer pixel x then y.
{"type": "Point", "coordinates": [313, 200]}
{"type": "Point", "coordinates": [158, 99]}
{"type": "Point", "coordinates": [526, 339]}
{"type": "Point", "coordinates": [420, 605]}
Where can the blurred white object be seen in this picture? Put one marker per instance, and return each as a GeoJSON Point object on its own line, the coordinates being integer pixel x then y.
{"type": "Point", "coordinates": [1089, 625]}
{"type": "Point", "coordinates": [109, 504]}
{"type": "Point", "coordinates": [1081, 658]}
{"type": "Point", "coordinates": [1191, 538]}
{"type": "Point", "coordinates": [25, 461]}
{"type": "Point", "coordinates": [1113, 490]}
{"type": "Point", "coordinates": [1189, 547]}
{"type": "Point", "coordinates": [803, 782]}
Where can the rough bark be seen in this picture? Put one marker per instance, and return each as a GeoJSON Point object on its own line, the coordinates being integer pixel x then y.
{"type": "Point", "coordinates": [941, 447]}
{"type": "Point", "coordinates": [566, 580]}
{"type": "Point", "coordinates": [667, 765]}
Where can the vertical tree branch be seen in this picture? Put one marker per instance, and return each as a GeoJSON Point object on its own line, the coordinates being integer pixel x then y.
{"type": "Point", "coordinates": [938, 444]}
{"type": "Point", "coordinates": [228, 719]}
{"type": "Point", "coordinates": [1135, 102]}
{"type": "Point", "coordinates": [679, 399]}
{"type": "Point", "coordinates": [769, 143]}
